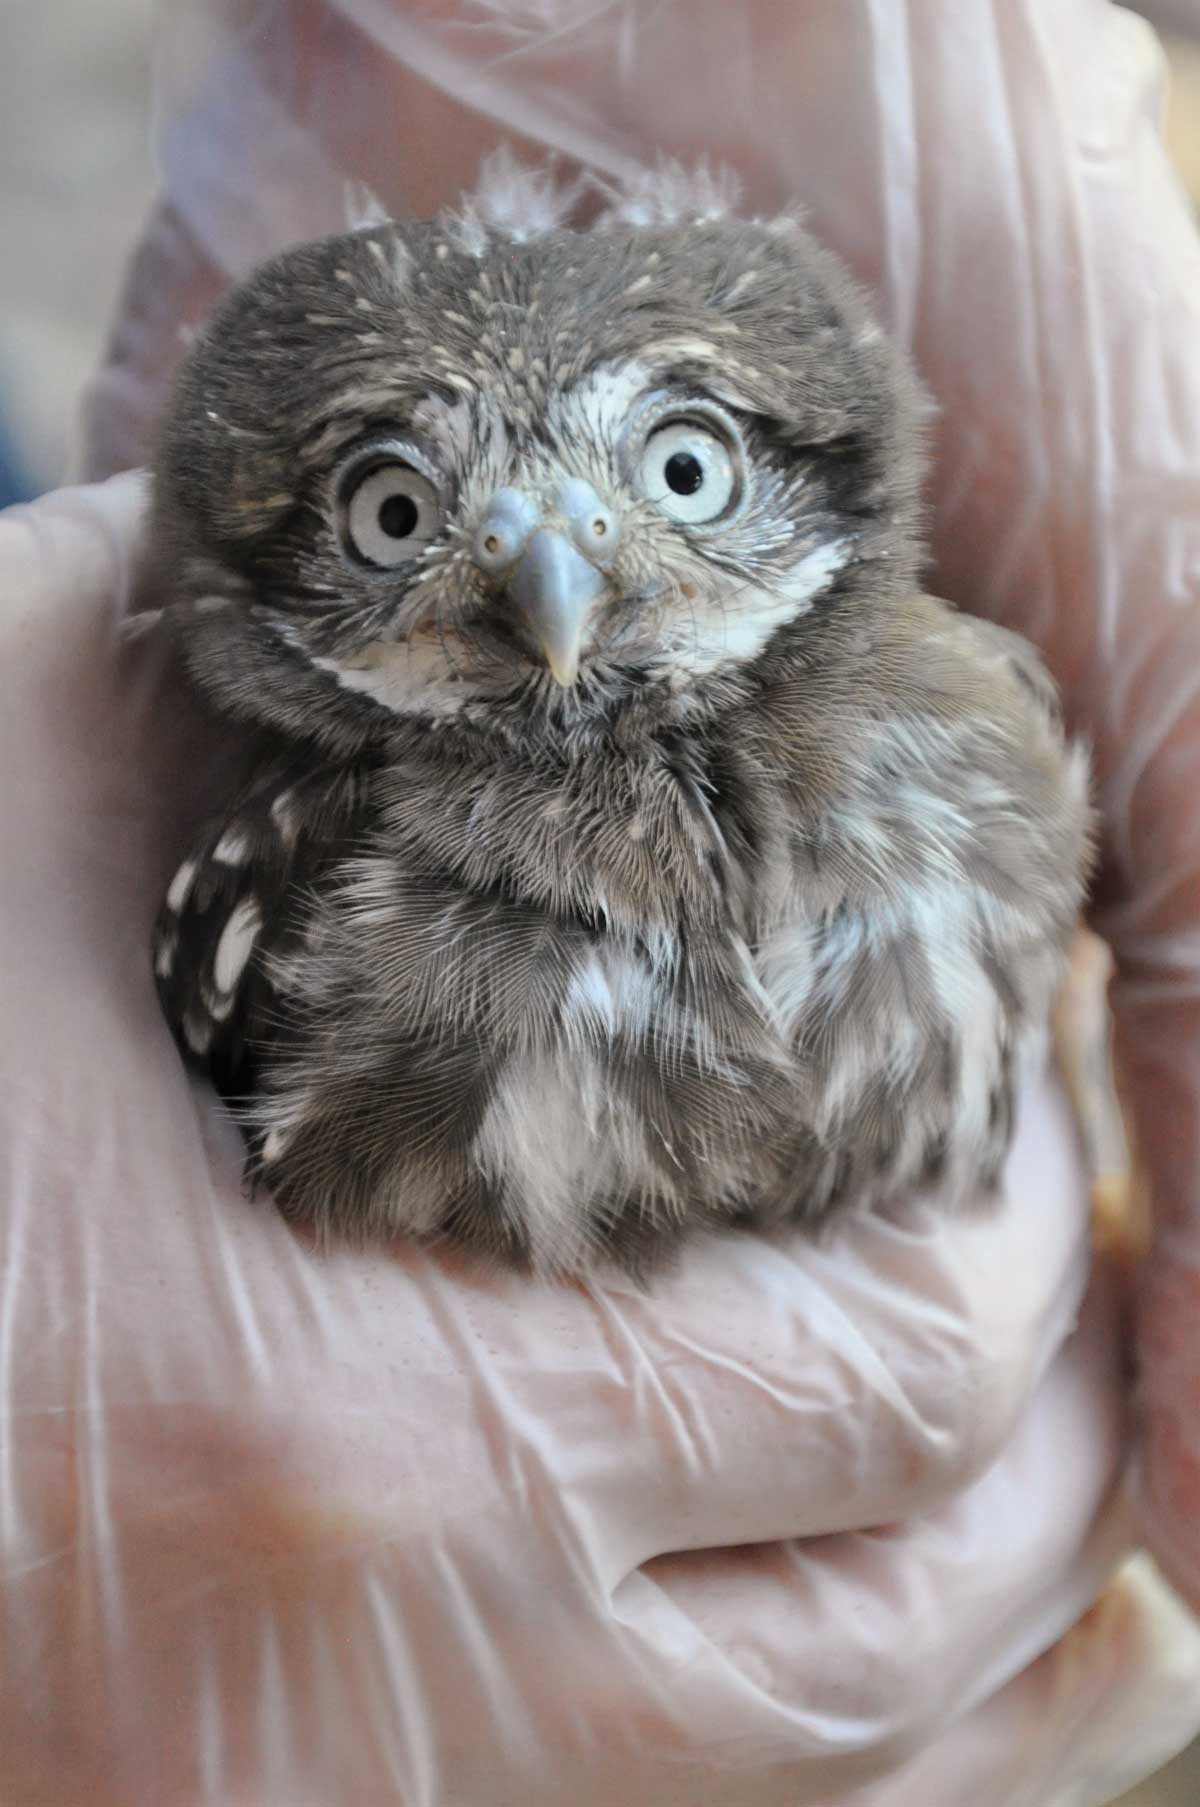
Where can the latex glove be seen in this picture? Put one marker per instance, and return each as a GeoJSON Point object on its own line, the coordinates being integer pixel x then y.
{"type": "Point", "coordinates": [993, 170]}
{"type": "Point", "coordinates": [364, 1528]}
{"type": "Point", "coordinates": [960, 221]}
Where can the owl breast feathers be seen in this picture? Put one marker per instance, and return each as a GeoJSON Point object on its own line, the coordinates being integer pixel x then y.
{"type": "Point", "coordinates": [631, 846]}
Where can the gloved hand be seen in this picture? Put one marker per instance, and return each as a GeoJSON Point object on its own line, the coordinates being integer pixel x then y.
{"type": "Point", "coordinates": [993, 170]}
{"type": "Point", "coordinates": [282, 1527]}
{"type": "Point", "coordinates": [330, 1618]}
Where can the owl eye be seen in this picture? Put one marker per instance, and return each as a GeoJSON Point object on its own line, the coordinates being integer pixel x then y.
{"type": "Point", "coordinates": [389, 514]}
{"type": "Point", "coordinates": [690, 471]}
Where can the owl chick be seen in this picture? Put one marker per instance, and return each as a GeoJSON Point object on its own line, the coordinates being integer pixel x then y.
{"type": "Point", "coordinates": [632, 847]}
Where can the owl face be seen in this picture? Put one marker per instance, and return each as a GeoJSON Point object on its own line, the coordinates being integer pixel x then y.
{"type": "Point", "coordinates": [437, 470]}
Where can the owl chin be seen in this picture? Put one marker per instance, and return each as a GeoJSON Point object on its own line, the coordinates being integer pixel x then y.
{"type": "Point", "coordinates": [438, 670]}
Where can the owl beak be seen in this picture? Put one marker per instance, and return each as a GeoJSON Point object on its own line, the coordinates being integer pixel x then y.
{"type": "Point", "coordinates": [554, 589]}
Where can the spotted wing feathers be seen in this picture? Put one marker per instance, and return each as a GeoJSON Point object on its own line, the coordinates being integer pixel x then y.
{"type": "Point", "coordinates": [235, 914]}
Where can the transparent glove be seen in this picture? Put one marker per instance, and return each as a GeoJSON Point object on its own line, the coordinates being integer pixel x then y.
{"type": "Point", "coordinates": [805, 1524]}
{"type": "Point", "coordinates": [235, 1573]}
{"type": "Point", "coordinates": [993, 170]}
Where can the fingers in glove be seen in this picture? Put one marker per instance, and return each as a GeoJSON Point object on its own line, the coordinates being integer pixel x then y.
{"type": "Point", "coordinates": [1105, 1707]}
{"type": "Point", "coordinates": [291, 1496]}
{"type": "Point", "coordinates": [833, 1659]}
{"type": "Point", "coordinates": [768, 1388]}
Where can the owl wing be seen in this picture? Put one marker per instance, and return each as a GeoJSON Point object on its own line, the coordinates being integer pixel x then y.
{"type": "Point", "coordinates": [236, 912]}
{"type": "Point", "coordinates": [987, 643]}
{"type": "Point", "coordinates": [936, 894]}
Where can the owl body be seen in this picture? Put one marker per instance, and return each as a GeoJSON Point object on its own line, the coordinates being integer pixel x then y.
{"type": "Point", "coordinates": [632, 847]}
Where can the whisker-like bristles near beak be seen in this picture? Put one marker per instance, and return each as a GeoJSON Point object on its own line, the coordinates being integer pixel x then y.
{"type": "Point", "coordinates": [554, 589]}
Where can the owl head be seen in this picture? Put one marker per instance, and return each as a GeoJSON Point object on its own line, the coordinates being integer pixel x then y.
{"type": "Point", "coordinates": [491, 468]}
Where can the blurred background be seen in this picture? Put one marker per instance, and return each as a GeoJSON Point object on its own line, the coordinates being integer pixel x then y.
{"type": "Point", "coordinates": [76, 179]}
{"type": "Point", "coordinates": [75, 183]}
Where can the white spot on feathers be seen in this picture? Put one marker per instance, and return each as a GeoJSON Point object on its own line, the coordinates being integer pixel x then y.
{"type": "Point", "coordinates": [283, 814]}
{"type": "Point", "coordinates": [391, 254]}
{"type": "Point", "coordinates": [743, 282]}
{"type": "Point", "coordinates": [669, 350]}
{"type": "Point", "coordinates": [236, 944]}
{"type": "Point", "coordinates": [232, 848]}
{"type": "Point", "coordinates": [274, 1145]}
{"type": "Point", "coordinates": [197, 1032]}
{"type": "Point", "coordinates": [181, 886]}
{"type": "Point", "coordinates": [220, 1005]}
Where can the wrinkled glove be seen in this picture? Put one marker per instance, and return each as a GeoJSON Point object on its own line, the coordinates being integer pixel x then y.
{"type": "Point", "coordinates": [236, 1576]}
{"type": "Point", "coordinates": [284, 1527]}
{"type": "Point", "coordinates": [994, 171]}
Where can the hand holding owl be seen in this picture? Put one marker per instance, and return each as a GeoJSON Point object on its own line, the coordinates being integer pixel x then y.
{"type": "Point", "coordinates": [709, 1659]}
{"type": "Point", "coordinates": [411, 1525]}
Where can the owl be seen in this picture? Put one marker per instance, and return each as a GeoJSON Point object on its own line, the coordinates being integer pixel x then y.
{"type": "Point", "coordinates": [629, 845]}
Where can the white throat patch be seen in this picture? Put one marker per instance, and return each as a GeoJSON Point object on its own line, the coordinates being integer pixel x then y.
{"type": "Point", "coordinates": [409, 677]}
{"type": "Point", "coordinates": [734, 629]}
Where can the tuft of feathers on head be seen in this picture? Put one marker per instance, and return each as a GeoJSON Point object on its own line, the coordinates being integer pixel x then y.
{"type": "Point", "coordinates": [513, 201]}
{"type": "Point", "coordinates": [671, 195]}
{"type": "Point", "coordinates": [520, 202]}
{"type": "Point", "coordinates": [362, 208]}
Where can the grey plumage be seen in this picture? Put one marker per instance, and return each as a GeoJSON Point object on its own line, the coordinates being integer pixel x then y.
{"type": "Point", "coordinates": [612, 868]}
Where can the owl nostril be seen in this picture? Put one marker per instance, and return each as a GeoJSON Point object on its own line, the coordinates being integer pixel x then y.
{"type": "Point", "coordinates": [595, 534]}
{"type": "Point", "coordinates": [499, 540]}
{"type": "Point", "coordinates": [496, 552]}
{"type": "Point", "coordinates": [592, 525]}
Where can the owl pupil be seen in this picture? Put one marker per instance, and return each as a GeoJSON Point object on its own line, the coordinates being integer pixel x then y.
{"type": "Point", "coordinates": [398, 517]}
{"type": "Point", "coordinates": [684, 473]}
